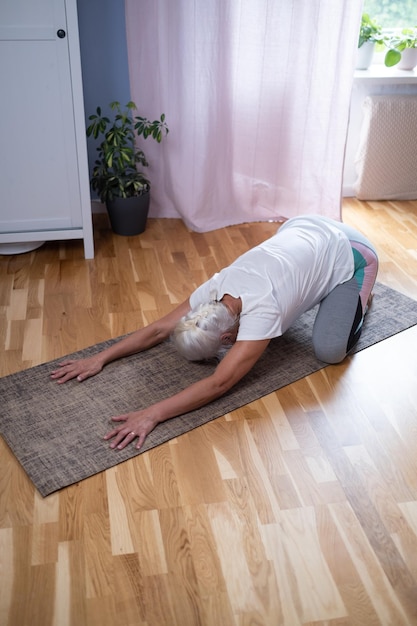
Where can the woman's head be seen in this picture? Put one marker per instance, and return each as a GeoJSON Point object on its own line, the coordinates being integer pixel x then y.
{"type": "Point", "coordinates": [205, 332]}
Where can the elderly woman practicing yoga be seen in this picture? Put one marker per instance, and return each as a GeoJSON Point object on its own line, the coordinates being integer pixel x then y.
{"type": "Point", "coordinates": [234, 315]}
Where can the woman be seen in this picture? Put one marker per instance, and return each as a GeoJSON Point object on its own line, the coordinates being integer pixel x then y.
{"type": "Point", "coordinates": [234, 315]}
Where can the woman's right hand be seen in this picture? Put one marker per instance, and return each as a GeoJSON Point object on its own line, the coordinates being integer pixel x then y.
{"type": "Point", "coordinates": [79, 369]}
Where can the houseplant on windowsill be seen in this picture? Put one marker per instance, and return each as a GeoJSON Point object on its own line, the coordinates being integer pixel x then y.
{"type": "Point", "coordinates": [402, 49]}
{"type": "Point", "coordinates": [123, 188]}
{"type": "Point", "coordinates": [369, 34]}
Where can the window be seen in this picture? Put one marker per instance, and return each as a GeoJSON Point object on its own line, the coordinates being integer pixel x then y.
{"type": "Point", "coordinates": [392, 14]}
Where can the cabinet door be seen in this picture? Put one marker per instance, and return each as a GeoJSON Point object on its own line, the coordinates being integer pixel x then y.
{"type": "Point", "coordinates": [40, 188]}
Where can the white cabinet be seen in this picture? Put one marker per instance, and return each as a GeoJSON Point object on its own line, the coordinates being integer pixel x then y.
{"type": "Point", "coordinates": [44, 185]}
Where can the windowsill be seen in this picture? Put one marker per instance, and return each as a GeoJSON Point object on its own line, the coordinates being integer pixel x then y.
{"type": "Point", "coordinates": [379, 73]}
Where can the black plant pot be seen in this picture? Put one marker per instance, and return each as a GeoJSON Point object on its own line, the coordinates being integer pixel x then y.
{"type": "Point", "coordinates": [128, 216]}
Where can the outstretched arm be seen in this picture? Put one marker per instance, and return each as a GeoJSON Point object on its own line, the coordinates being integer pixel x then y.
{"type": "Point", "coordinates": [237, 362]}
{"type": "Point", "coordinates": [137, 341]}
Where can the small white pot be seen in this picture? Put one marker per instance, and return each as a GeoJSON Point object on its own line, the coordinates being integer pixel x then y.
{"type": "Point", "coordinates": [365, 55]}
{"type": "Point", "coordinates": [408, 59]}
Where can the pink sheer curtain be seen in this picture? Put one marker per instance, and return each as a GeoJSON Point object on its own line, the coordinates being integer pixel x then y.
{"type": "Point", "coordinates": [256, 95]}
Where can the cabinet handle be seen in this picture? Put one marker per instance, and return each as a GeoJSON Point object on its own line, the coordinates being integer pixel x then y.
{"type": "Point", "coordinates": [61, 33]}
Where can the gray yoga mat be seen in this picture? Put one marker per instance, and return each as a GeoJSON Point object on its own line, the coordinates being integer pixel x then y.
{"type": "Point", "coordinates": [55, 431]}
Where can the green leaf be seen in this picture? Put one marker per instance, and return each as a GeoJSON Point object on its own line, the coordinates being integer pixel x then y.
{"type": "Point", "coordinates": [126, 156]}
{"type": "Point", "coordinates": [392, 57]}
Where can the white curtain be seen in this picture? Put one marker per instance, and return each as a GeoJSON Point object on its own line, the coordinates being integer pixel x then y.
{"type": "Point", "coordinates": [256, 95]}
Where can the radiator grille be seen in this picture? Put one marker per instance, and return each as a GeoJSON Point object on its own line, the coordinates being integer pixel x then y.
{"type": "Point", "coordinates": [386, 160]}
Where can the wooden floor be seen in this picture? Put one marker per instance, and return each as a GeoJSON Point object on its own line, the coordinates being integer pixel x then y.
{"type": "Point", "coordinates": [300, 508]}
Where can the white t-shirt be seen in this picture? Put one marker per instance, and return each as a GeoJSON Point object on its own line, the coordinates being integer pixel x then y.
{"type": "Point", "coordinates": [283, 277]}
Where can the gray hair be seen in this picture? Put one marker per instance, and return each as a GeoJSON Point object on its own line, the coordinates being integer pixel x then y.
{"type": "Point", "coordinates": [197, 336]}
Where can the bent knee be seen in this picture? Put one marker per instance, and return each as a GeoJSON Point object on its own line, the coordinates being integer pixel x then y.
{"type": "Point", "coordinates": [331, 353]}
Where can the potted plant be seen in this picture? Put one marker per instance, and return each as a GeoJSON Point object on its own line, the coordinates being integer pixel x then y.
{"type": "Point", "coordinates": [402, 49]}
{"type": "Point", "coordinates": [369, 33]}
{"type": "Point", "coordinates": [123, 188]}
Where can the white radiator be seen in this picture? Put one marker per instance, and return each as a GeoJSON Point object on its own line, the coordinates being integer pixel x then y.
{"type": "Point", "coordinates": [386, 161]}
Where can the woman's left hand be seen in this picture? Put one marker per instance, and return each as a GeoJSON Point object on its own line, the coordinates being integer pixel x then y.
{"type": "Point", "coordinates": [137, 424]}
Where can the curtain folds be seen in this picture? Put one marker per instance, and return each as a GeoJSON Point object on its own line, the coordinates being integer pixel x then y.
{"type": "Point", "coordinates": [256, 96]}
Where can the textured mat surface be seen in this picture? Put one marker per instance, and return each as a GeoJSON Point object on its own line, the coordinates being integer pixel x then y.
{"type": "Point", "coordinates": [55, 431]}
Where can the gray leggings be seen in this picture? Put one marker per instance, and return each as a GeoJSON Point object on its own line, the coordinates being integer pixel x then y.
{"type": "Point", "coordinates": [339, 320]}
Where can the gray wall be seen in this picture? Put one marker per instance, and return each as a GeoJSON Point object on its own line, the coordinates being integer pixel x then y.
{"type": "Point", "coordinates": [103, 57]}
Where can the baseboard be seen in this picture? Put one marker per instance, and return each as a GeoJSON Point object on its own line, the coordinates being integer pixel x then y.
{"type": "Point", "coordinates": [348, 191]}
{"type": "Point", "coordinates": [97, 207]}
